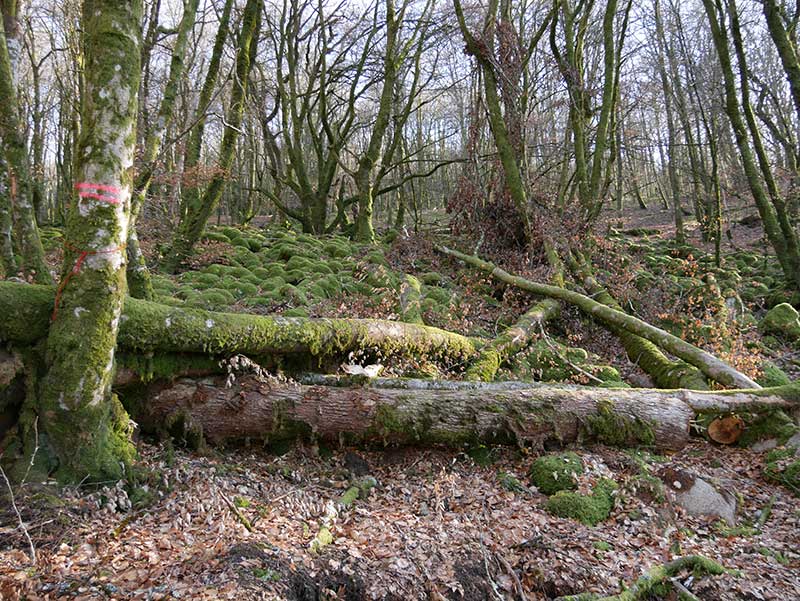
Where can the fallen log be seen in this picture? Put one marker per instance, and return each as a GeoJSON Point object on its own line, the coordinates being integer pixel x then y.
{"type": "Point", "coordinates": [664, 372]}
{"type": "Point", "coordinates": [714, 368]}
{"type": "Point", "coordinates": [151, 327]}
{"type": "Point", "coordinates": [424, 411]}
{"type": "Point", "coordinates": [512, 340]}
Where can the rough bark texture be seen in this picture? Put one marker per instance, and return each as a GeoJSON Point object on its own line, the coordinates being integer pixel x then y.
{"type": "Point", "coordinates": [418, 412]}
{"type": "Point", "coordinates": [7, 259]}
{"type": "Point", "coordinates": [710, 365]}
{"type": "Point", "coordinates": [85, 425]}
{"type": "Point", "coordinates": [428, 411]}
{"type": "Point", "coordinates": [147, 327]}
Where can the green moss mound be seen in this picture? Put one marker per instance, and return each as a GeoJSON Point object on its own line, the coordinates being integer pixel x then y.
{"type": "Point", "coordinates": [587, 509]}
{"type": "Point", "coordinates": [774, 425]}
{"type": "Point", "coordinates": [772, 375]}
{"type": "Point", "coordinates": [553, 473]}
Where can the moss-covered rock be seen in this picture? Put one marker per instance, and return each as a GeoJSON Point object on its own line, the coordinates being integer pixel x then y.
{"type": "Point", "coordinates": [775, 426]}
{"type": "Point", "coordinates": [783, 320]}
{"type": "Point", "coordinates": [772, 375]}
{"type": "Point", "coordinates": [553, 473]}
{"type": "Point", "coordinates": [588, 509]}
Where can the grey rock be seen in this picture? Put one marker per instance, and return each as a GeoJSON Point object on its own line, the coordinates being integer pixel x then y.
{"type": "Point", "coordinates": [699, 497]}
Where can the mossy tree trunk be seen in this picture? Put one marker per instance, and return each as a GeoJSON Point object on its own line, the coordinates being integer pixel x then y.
{"type": "Point", "coordinates": [198, 210]}
{"type": "Point", "coordinates": [7, 259]}
{"type": "Point", "coordinates": [664, 372]}
{"type": "Point", "coordinates": [19, 182]}
{"type": "Point", "coordinates": [148, 327]}
{"type": "Point", "coordinates": [139, 281]}
{"type": "Point", "coordinates": [771, 207]}
{"type": "Point", "coordinates": [711, 366]}
{"type": "Point", "coordinates": [427, 411]}
{"type": "Point", "coordinates": [85, 424]}
{"type": "Point", "coordinates": [511, 341]}
{"type": "Point", "coordinates": [190, 191]}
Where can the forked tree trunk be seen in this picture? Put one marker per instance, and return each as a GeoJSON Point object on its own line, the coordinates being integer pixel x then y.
{"type": "Point", "coordinates": [199, 209]}
{"type": "Point", "coordinates": [85, 425]}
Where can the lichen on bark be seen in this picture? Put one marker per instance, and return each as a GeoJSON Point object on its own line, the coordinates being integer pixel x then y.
{"type": "Point", "coordinates": [86, 425]}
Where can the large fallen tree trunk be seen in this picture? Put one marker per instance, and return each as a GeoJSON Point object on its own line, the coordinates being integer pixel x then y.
{"type": "Point", "coordinates": [711, 366]}
{"type": "Point", "coordinates": [664, 372]}
{"type": "Point", "coordinates": [152, 327]}
{"type": "Point", "coordinates": [425, 411]}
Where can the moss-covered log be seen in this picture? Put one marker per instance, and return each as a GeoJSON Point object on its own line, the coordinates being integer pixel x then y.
{"type": "Point", "coordinates": [665, 372]}
{"type": "Point", "coordinates": [511, 341]}
{"type": "Point", "coordinates": [711, 366]}
{"type": "Point", "coordinates": [427, 411]}
{"type": "Point", "coordinates": [418, 412]}
{"type": "Point", "coordinates": [152, 327]}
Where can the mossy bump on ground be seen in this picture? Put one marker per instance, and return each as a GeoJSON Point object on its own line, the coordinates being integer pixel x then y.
{"type": "Point", "coordinates": [587, 509]}
{"type": "Point", "coordinates": [554, 473]}
{"type": "Point", "coordinates": [783, 466]}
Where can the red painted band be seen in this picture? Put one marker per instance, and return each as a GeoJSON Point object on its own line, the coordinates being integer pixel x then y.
{"type": "Point", "coordinates": [102, 187]}
{"type": "Point", "coordinates": [109, 199]}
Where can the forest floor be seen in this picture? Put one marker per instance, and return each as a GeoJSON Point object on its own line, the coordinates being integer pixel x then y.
{"type": "Point", "coordinates": [438, 524]}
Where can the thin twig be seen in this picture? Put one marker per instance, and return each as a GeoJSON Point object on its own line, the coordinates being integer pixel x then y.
{"type": "Point", "coordinates": [35, 449]}
{"type": "Point", "coordinates": [19, 517]}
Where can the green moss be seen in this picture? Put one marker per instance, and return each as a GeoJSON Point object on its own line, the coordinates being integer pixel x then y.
{"type": "Point", "coordinates": [338, 248]}
{"type": "Point", "coordinates": [609, 427]}
{"type": "Point", "coordinates": [772, 375]}
{"type": "Point", "coordinates": [588, 509]}
{"type": "Point", "coordinates": [377, 257]}
{"type": "Point", "coordinates": [602, 545]}
{"type": "Point", "coordinates": [431, 278]}
{"type": "Point", "coordinates": [783, 467]}
{"type": "Point", "coordinates": [553, 473]}
{"type": "Point", "coordinates": [295, 312]}
{"type": "Point", "coordinates": [215, 237]}
{"type": "Point", "coordinates": [774, 425]}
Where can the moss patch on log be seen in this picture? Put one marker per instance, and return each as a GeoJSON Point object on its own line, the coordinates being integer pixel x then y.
{"type": "Point", "coordinates": [611, 427]}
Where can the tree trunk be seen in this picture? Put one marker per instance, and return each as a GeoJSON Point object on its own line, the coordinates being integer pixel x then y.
{"type": "Point", "coordinates": [511, 341]}
{"type": "Point", "coordinates": [85, 424]}
{"type": "Point", "coordinates": [425, 411]}
{"type": "Point", "coordinates": [194, 221]}
{"type": "Point", "coordinates": [151, 327]}
{"type": "Point", "coordinates": [7, 259]}
{"type": "Point", "coordinates": [710, 365]}
{"type": "Point", "coordinates": [19, 176]}
{"type": "Point", "coordinates": [140, 284]}
{"type": "Point", "coordinates": [664, 372]}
